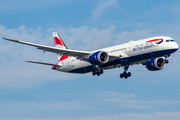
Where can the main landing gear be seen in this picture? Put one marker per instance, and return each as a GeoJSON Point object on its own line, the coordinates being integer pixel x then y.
{"type": "Point", "coordinates": [97, 71]}
{"type": "Point", "coordinates": [125, 74]}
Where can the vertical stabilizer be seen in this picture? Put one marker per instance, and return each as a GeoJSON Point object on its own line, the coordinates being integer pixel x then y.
{"type": "Point", "coordinates": [58, 41]}
{"type": "Point", "coordinates": [60, 44]}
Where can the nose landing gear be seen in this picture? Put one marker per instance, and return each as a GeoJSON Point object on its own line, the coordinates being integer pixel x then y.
{"type": "Point", "coordinates": [166, 57]}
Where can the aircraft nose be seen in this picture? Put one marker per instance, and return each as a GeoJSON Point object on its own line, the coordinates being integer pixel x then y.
{"type": "Point", "coordinates": [175, 46]}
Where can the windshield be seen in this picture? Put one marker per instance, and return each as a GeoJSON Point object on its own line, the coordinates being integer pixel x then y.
{"type": "Point", "coordinates": [170, 40]}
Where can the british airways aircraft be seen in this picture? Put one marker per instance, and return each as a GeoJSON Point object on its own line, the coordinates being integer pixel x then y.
{"type": "Point", "coordinates": [151, 52]}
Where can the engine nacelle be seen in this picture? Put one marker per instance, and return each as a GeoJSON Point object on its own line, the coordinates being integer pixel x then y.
{"type": "Point", "coordinates": [155, 64]}
{"type": "Point", "coordinates": [98, 58]}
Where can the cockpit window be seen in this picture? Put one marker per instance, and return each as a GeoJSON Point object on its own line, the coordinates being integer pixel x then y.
{"type": "Point", "coordinates": [170, 40]}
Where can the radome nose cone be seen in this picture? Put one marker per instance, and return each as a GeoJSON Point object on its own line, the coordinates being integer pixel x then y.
{"type": "Point", "coordinates": [175, 46]}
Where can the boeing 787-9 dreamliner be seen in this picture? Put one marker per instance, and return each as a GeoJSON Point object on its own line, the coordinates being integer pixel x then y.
{"type": "Point", "coordinates": [152, 52]}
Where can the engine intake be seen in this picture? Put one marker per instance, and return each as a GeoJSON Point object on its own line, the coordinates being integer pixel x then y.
{"type": "Point", "coordinates": [155, 64]}
{"type": "Point", "coordinates": [98, 58]}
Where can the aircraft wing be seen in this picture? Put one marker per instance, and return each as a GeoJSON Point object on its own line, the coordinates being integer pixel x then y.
{"type": "Point", "coordinates": [83, 55]}
{"type": "Point", "coordinates": [68, 52]}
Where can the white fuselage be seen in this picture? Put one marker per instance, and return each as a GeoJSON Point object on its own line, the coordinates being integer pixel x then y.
{"type": "Point", "coordinates": [130, 53]}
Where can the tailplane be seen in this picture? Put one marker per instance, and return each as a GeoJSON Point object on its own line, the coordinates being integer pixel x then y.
{"type": "Point", "coordinates": [42, 63]}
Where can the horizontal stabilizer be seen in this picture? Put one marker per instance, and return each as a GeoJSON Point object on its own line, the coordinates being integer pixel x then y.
{"type": "Point", "coordinates": [42, 63]}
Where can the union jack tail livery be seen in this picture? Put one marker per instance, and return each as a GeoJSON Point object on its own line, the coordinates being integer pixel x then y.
{"type": "Point", "coordinates": [60, 44]}
{"type": "Point", "coordinates": [58, 41]}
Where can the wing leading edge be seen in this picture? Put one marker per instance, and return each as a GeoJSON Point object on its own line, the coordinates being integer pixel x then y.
{"type": "Point", "coordinates": [83, 55]}
{"type": "Point", "coordinates": [75, 53]}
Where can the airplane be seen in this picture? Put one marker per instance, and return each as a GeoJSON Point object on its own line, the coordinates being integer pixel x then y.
{"type": "Point", "coordinates": [152, 52]}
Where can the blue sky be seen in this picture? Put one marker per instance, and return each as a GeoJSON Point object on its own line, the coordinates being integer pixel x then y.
{"type": "Point", "coordinates": [35, 92]}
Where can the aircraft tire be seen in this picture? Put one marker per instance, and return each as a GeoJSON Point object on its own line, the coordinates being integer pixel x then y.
{"type": "Point", "coordinates": [167, 61]}
{"type": "Point", "coordinates": [93, 73]}
{"type": "Point", "coordinates": [101, 71]}
{"type": "Point", "coordinates": [121, 75]}
{"type": "Point", "coordinates": [129, 74]}
{"type": "Point", "coordinates": [126, 76]}
{"type": "Point", "coordinates": [98, 74]}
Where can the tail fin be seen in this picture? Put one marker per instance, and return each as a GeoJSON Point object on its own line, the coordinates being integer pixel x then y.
{"type": "Point", "coordinates": [60, 44]}
{"type": "Point", "coordinates": [58, 41]}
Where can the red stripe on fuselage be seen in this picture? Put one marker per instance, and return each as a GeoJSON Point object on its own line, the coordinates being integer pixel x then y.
{"type": "Point", "coordinates": [57, 41]}
{"type": "Point", "coordinates": [155, 40]}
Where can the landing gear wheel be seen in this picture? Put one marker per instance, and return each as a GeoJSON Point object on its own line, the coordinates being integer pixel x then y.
{"type": "Point", "coordinates": [166, 61]}
{"type": "Point", "coordinates": [121, 75]}
{"type": "Point", "coordinates": [101, 71]}
{"type": "Point", "coordinates": [97, 72]}
{"type": "Point", "coordinates": [93, 73]}
{"type": "Point", "coordinates": [129, 74]}
{"type": "Point", "coordinates": [125, 74]}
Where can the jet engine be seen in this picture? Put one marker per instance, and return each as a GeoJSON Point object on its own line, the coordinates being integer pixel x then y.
{"type": "Point", "coordinates": [98, 58]}
{"type": "Point", "coordinates": [155, 64]}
